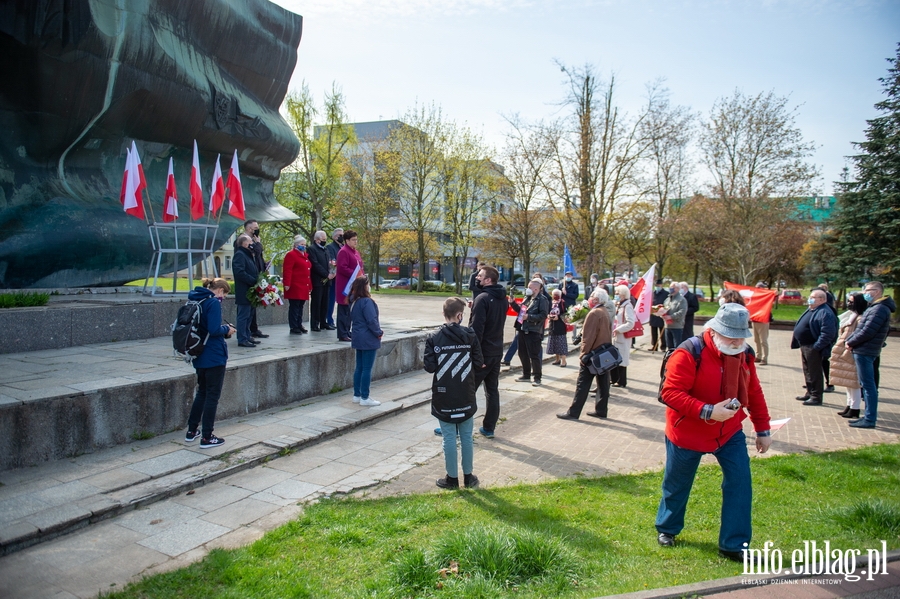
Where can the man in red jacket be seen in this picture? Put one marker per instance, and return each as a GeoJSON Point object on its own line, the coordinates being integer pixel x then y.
{"type": "Point", "coordinates": [703, 417]}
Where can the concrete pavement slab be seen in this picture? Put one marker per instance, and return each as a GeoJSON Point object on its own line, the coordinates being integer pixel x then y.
{"type": "Point", "coordinates": [184, 537]}
{"type": "Point", "coordinates": [240, 513]}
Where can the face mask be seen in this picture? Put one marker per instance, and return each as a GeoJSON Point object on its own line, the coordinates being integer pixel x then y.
{"type": "Point", "coordinates": [256, 232]}
{"type": "Point", "coordinates": [721, 301]}
{"type": "Point", "coordinates": [727, 349]}
{"type": "Point", "coordinates": [868, 297]}
{"type": "Point", "coordinates": [568, 279]}
{"type": "Point", "coordinates": [340, 239]}
{"type": "Point", "coordinates": [811, 301]}
{"type": "Point", "coordinates": [302, 248]}
{"type": "Point", "coordinates": [221, 299]}
{"type": "Point", "coordinates": [529, 292]}
{"type": "Point", "coordinates": [322, 243]}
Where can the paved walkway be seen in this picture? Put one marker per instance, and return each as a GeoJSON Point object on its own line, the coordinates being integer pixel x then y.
{"type": "Point", "coordinates": [391, 455]}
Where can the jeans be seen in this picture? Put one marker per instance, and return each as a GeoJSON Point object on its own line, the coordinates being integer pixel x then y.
{"type": "Point", "coordinates": [812, 372]}
{"type": "Point", "coordinates": [295, 314]}
{"type": "Point", "coordinates": [254, 328]}
{"type": "Point", "coordinates": [530, 354]}
{"type": "Point", "coordinates": [490, 375]}
{"type": "Point", "coordinates": [513, 349]}
{"type": "Point", "coordinates": [362, 376]}
{"type": "Point", "coordinates": [206, 401]}
{"type": "Point", "coordinates": [737, 491]}
{"type": "Point", "coordinates": [343, 321]}
{"type": "Point", "coordinates": [449, 431]}
{"type": "Point", "coordinates": [244, 314]}
{"type": "Point", "coordinates": [673, 338]}
{"type": "Point", "coordinates": [318, 304]}
{"type": "Point", "coordinates": [583, 387]}
{"type": "Point", "coordinates": [865, 367]}
{"type": "Point", "coordinates": [329, 313]}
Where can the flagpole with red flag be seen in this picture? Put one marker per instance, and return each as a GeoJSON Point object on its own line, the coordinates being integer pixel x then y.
{"type": "Point", "coordinates": [235, 190]}
{"type": "Point", "coordinates": [643, 292]}
{"type": "Point", "coordinates": [196, 187]}
{"type": "Point", "coordinates": [217, 192]}
{"type": "Point", "coordinates": [133, 183]}
{"type": "Point", "coordinates": [170, 204]}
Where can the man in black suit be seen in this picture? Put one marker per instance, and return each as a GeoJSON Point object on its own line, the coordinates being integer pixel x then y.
{"type": "Point", "coordinates": [333, 248]}
{"type": "Point", "coordinates": [321, 276]}
{"type": "Point", "coordinates": [243, 266]}
{"type": "Point", "coordinates": [693, 306]}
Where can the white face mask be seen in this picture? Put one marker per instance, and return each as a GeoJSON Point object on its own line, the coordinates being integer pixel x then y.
{"type": "Point", "coordinates": [721, 301]}
{"type": "Point", "coordinates": [528, 292]}
{"type": "Point", "coordinates": [728, 349]}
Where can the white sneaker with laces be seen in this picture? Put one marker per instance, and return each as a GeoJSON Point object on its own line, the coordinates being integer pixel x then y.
{"type": "Point", "coordinates": [369, 402]}
{"type": "Point", "coordinates": [356, 398]}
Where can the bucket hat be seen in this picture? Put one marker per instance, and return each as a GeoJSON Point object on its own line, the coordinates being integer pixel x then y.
{"type": "Point", "coordinates": [732, 320]}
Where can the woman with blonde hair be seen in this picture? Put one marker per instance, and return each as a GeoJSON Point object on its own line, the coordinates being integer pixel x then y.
{"type": "Point", "coordinates": [209, 365]}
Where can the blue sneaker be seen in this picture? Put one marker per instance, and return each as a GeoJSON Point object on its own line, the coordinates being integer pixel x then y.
{"type": "Point", "coordinates": [485, 432]}
{"type": "Point", "coordinates": [438, 432]}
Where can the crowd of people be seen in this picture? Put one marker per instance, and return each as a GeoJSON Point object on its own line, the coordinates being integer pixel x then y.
{"type": "Point", "coordinates": [709, 382]}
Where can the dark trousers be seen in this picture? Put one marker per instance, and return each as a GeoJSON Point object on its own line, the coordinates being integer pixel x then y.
{"type": "Point", "coordinates": [295, 314]}
{"type": "Point", "coordinates": [318, 307]}
{"type": "Point", "coordinates": [329, 311]}
{"type": "Point", "coordinates": [254, 328]}
{"type": "Point", "coordinates": [530, 354]}
{"type": "Point", "coordinates": [583, 387]}
{"type": "Point", "coordinates": [490, 376]}
{"type": "Point", "coordinates": [619, 376]}
{"type": "Point", "coordinates": [244, 316]}
{"type": "Point", "coordinates": [343, 321]}
{"type": "Point", "coordinates": [673, 338]}
{"type": "Point", "coordinates": [826, 370]}
{"type": "Point", "coordinates": [812, 372]}
{"type": "Point", "coordinates": [658, 338]}
{"type": "Point", "coordinates": [209, 389]}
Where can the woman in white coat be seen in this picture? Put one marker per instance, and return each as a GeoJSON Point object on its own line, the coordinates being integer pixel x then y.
{"type": "Point", "coordinates": [623, 323]}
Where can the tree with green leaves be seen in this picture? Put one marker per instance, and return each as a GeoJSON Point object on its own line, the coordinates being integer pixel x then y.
{"type": "Point", "coordinates": [758, 160]}
{"type": "Point", "coordinates": [866, 229]}
{"type": "Point", "coordinates": [470, 182]}
{"type": "Point", "coordinates": [310, 185]}
{"type": "Point", "coordinates": [419, 143]}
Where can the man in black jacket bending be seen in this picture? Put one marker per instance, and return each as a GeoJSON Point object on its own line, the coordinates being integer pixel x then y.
{"type": "Point", "coordinates": [487, 319]}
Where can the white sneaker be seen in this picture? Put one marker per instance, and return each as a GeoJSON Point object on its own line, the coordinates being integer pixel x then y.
{"type": "Point", "coordinates": [369, 402]}
{"type": "Point", "coordinates": [356, 398]}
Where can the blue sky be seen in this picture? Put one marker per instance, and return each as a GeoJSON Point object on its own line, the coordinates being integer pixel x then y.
{"type": "Point", "coordinates": [480, 59]}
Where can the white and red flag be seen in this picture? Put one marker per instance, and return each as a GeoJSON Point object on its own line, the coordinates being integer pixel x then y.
{"type": "Point", "coordinates": [217, 194]}
{"type": "Point", "coordinates": [170, 204]}
{"type": "Point", "coordinates": [196, 187]}
{"type": "Point", "coordinates": [133, 183]}
{"type": "Point", "coordinates": [643, 292]}
{"type": "Point", "coordinates": [759, 300]}
{"type": "Point", "coordinates": [235, 191]}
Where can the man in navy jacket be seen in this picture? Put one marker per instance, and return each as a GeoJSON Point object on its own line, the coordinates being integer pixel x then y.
{"type": "Point", "coordinates": [866, 343]}
{"type": "Point", "coordinates": [815, 334]}
{"type": "Point", "coordinates": [243, 266]}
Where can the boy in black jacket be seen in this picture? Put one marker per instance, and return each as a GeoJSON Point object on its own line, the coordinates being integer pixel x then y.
{"type": "Point", "coordinates": [453, 354]}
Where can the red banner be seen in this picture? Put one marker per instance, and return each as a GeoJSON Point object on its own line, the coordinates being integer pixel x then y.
{"type": "Point", "coordinates": [759, 300]}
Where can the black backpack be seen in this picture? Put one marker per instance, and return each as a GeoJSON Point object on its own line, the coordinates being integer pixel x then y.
{"type": "Point", "coordinates": [188, 335]}
{"type": "Point", "coordinates": [695, 346]}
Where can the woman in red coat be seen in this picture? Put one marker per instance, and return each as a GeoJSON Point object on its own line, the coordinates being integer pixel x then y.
{"type": "Point", "coordinates": [297, 283]}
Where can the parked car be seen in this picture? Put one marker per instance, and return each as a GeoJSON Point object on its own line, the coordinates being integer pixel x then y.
{"type": "Point", "coordinates": [403, 283]}
{"type": "Point", "coordinates": [791, 297]}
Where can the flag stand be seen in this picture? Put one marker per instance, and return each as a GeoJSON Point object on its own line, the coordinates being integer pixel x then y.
{"type": "Point", "coordinates": [165, 244]}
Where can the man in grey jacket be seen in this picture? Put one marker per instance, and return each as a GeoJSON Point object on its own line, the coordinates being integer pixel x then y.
{"type": "Point", "coordinates": [673, 312]}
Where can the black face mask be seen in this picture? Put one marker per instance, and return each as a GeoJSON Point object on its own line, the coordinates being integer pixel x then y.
{"type": "Point", "coordinates": [340, 239]}
{"type": "Point", "coordinates": [256, 233]}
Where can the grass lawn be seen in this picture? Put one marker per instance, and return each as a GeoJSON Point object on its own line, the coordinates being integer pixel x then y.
{"type": "Point", "coordinates": [790, 313]}
{"type": "Point", "coordinates": [166, 284]}
{"type": "Point", "coordinates": [569, 538]}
